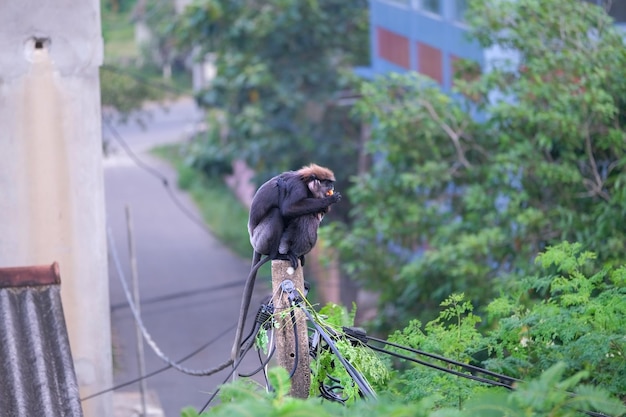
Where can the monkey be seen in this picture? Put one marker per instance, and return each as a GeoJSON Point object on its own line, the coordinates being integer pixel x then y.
{"type": "Point", "coordinates": [286, 212]}
{"type": "Point", "coordinates": [304, 215]}
{"type": "Point", "coordinates": [285, 215]}
{"type": "Point", "coordinates": [288, 230]}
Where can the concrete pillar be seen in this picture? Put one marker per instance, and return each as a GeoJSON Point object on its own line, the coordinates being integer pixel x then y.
{"type": "Point", "coordinates": [51, 183]}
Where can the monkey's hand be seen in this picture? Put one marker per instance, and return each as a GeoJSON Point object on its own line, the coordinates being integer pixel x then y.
{"type": "Point", "coordinates": [335, 197]}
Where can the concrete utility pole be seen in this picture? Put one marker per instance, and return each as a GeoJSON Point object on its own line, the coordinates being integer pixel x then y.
{"type": "Point", "coordinates": [292, 350]}
{"type": "Point", "coordinates": [51, 185]}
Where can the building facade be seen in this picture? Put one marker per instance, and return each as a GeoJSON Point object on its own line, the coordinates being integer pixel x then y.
{"type": "Point", "coordinates": [427, 36]}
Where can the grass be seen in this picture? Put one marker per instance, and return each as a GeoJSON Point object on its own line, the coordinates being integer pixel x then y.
{"type": "Point", "coordinates": [223, 213]}
{"type": "Point", "coordinates": [119, 36]}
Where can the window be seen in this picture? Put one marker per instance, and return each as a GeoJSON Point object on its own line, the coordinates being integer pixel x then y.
{"type": "Point", "coordinates": [616, 9]}
{"type": "Point", "coordinates": [433, 6]}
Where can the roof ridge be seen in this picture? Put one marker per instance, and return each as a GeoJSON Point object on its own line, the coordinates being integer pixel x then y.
{"type": "Point", "coordinates": [30, 276]}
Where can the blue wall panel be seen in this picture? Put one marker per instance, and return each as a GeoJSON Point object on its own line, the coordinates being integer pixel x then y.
{"type": "Point", "coordinates": [440, 32]}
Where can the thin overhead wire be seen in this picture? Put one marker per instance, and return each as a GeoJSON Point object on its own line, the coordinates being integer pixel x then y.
{"type": "Point", "coordinates": [143, 80]}
{"type": "Point", "coordinates": [152, 171]}
{"type": "Point", "coordinates": [245, 349]}
{"type": "Point", "coordinates": [163, 369]}
{"type": "Point", "coordinates": [504, 380]}
{"type": "Point", "coordinates": [146, 335]}
{"type": "Point", "coordinates": [441, 368]}
{"type": "Point", "coordinates": [182, 294]}
{"type": "Point", "coordinates": [264, 363]}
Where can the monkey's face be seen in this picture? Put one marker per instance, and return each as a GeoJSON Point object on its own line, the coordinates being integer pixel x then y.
{"type": "Point", "coordinates": [321, 188]}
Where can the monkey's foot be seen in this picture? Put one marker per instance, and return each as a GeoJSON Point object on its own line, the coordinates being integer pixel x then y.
{"type": "Point", "coordinates": [292, 258]}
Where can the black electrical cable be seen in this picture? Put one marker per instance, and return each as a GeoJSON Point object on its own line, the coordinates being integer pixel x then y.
{"type": "Point", "coordinates": [217, 390]}
{"type": "Point", "coordinates": [332, 378]}
{"type": "Point", "coordinates": [230, 374]}
{"type": "Point", "coordinates": [441, 368]}
{"type": "Point", "coordinates": [354, 374]}
{"type": "Point", "coordinates": [467, 366]}
{"type": "Point", "coordinates": [509, 386]}
{"type": "Point", "coordinates": [263, 316]}
{"type": "Point", "coordinates": [181, 294]}
{"type": "Point", "coordinates": [296, 347]}
{"type": "Point", "coordinates": [325, 390]}
{"type": "Point", "coordinates": [263, 364]}
{"type": "Point", "coordinates": [253, 332]}
{"type": "Point", "coordinates": [165, 368]}
{"type": "Point", "coordinates": [475, 378]}
{"type": "Point", "coordinates": [327, 393]}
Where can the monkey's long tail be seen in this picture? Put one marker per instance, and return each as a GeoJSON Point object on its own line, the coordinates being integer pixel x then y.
{"type": "Point", "coordinates": [245, 302]}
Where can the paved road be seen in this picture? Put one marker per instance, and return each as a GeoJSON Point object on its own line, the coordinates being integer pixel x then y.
{"type": "Point", "coordinates": [175, 258]}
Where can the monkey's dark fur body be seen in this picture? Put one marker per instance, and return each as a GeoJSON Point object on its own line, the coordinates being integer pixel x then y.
{"type": "Point", "coordinates": [285, 215]}
{"type": "Point", "coordinates": [287, 210]}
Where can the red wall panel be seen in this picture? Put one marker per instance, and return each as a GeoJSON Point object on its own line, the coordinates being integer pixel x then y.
{"type": "Point", "coordinates": [393, 47]}
{"type": "Point", "coordinates": [430, 62]}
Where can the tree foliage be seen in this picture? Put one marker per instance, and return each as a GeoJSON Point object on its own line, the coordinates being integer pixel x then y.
{"type": "Point", "coordinates": [528, 151]}
{"type": "Point", "coordinates": [160, 47]}
{"type": "Point", "coordinates": [126, 84]}
{"type": "Point", "coordinates": [577, 325]}
{"type": "Point", "coordinates": [279, 66]}
{"type": "Point", "coordinates": [452, 334]}
{"type": "Point", "coordinates": [579, 320]}
{"type": "Point", "coordinates": [125, 93]}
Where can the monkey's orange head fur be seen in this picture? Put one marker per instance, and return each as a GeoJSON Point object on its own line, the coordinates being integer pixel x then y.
{"type": "Point", "coordinates": [316, 171]}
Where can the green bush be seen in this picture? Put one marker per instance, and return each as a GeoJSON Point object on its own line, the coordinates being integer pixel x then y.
{"type": "Point", "coordinates": [549, 395]}
{"type": "Point", "coordinates": [453, 335]}
{"type": "Point", "coordinates": [325, 365]}
{"type": "Point", "coordinates": [573, 314]}
{"type": "Point", "coordinates": [554, 331]}
{"type": "Point", "coordinates": [579, 319]}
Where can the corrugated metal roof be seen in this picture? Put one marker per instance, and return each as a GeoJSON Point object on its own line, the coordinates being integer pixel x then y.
{"type": "Point", "coordinates": [36, 370]}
